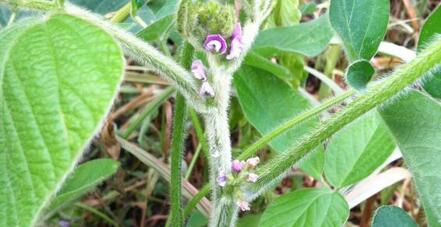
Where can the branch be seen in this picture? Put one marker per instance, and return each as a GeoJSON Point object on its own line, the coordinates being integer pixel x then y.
{"type": "Point", "coordinates": [382, 91]}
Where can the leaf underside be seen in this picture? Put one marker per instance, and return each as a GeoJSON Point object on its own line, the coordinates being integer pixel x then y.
{"type": "Point", "coordinates": [415, 122]}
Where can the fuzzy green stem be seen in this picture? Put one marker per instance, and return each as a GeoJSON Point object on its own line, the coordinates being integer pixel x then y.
{"type": "Point", "coordinates": [122, 14]}
{"type": "Point", "coordinates": [177, 146]}
{"type": "Point", "coordinates": [423, 65]}
{"type": "Point", "coordinates": [250, 151]}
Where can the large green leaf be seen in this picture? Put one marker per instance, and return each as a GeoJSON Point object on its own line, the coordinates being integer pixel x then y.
{"type": "Point", "coordinates": [361, 25]}
{"type": "Point", "coordinates": [392, 216]}
{"type": "Point", "coordinates": [306, 207]}
{"type": "Point", "coordinates": [267, 102]}
{"type": "Point", "coordinates": [58, 77]}
{"type": "Point", "coordinates": [309, 38]}
{"type": "Point", "coordinates": [415, 122]}
{"type": "Point", "coordinates": [431, 28]}
{"type": "Point", "coordinates": [83, 179]}
{"type": "Point", "coordinates": [357, 150]}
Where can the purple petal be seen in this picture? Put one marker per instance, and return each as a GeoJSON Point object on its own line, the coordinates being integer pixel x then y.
{"type": "Point", "coordinates": [222, 178]}
{"type": "Point", "coordinates": [216, 43]}
{"type": "Point", "coordinates": [222, 181]}
{"type": "Point", "coordinates": [237, 33]}
{"type": "Point", "coordinates": [206, 90]}
{"type": "Point", "coordinates": [236, 43]}
{"type": "Point", "coordinates": [252, 162]}
{"type": "Point", "coordinates": [236, 49]}
{"type": "Point", "coordinates": [198, 70]}
{"type": "Point", "coordinates": [243, 205]}
{"type": "Point", "coordinates": [252, 178]}
{"type": "Point", "coordinates": [236, 166]}
{"type": "Point", "coordinates": [63, 223]}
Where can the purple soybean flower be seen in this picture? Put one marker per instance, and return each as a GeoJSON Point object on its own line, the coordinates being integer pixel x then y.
{"type": "Point", "coordinates": [236, 165]}
{"type": "Point", "coordinates": [222, 179]}
{"type": "Point", "coordinates": [206, 90]}
{"type": "Point", "coordinates": [198, 70]}
{"type": "Point", "coordinates": [243, 205]}
{"type": "Point", "coordinates": [63, 223]}
{"type": "Point", "coordinates": [252, 178]}
{"type": "Point", "coordinates": [216, 43]}
{"type": "Point", "coordinates": [236, 43]}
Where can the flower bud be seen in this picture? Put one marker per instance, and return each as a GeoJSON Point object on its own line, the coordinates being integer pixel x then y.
{"type": "Point", "coordinates": [215, 43]}
{"type": "Point", "coordinates": [222, 179]}
{"type": "Point", "coordinates": [206, 90]}
{"type": "Point", "coordinates": [252, 178]}
{"type": "Point", "coordinates": [236, 165]}
{"type": "Point", "coordinates": [197, 19]}
{"type": "Point", "coordinates": [236, 43]}
{"type": "Point", "coordinates": [198, 70]}
{"type": "Point", "coordinates": [252, 162]}
{"type": "Point", "coordinates": [243, 205]}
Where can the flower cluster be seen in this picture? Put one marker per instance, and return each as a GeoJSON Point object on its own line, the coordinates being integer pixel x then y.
{"type": "Point", "coordinates": [216, 43]}
{"type": "Point", "coordinates": [200, 73]}
{"type": "Point", "coordinates": [241, 171]}
{"type": "Point", "coordinates": [198, 19]}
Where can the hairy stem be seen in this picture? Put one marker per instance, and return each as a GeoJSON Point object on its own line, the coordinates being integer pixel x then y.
{"type": "Point", "coordinates": [122, 14]}
{"type": "Point", "coordinates": [218, 137]}
{"type": "Point", "coordinates": [177, 145]}
{"type": "Point", "coordinates": [423, 65]}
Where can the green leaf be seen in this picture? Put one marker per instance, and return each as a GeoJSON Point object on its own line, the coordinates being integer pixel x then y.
{"type": "Point", "coordinates": [361, 25]}
{"type": "Point", "coordinates": [431, 28]}
{"type": "Point", "coordinates": [285, 13]}
{"type": "Point", "coordinates": [308, 8]}
{"type": "Point", "coordinates": [268, 102]}
{"type": "Point", "coordinates": [256, 60]}
{"type": "Point", "coordinates": [306, 207]}
{"type": "Point", "coordinates": [197, 219]}
{"type": "Point", "coordinates": [249, 220]}
{"type": "Point", "coordinates": [392, 216]}
{"type": "Point", "coordinates": [58, 78]}
{"type": "Point", "coordinates": [309, 38]}
{"type": "Point", "coordinates": [359, 73]}
{"type": "Point", "coordinates": [414, 121]}
{"type": "Point", "coordinates": [135, 6]}
{"type": "Point", "coordinates": [5, 14]}
{"type": "Point", "coordinates": [84, 178]}
{"type": "Point", "coordinates": [357, 150]}
{"type": "Point", "coordinates": [157, 29]}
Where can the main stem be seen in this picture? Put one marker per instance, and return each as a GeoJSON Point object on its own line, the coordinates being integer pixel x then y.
{"type": "Point", "coordinates": [218, 138]}
{"type": "Point", "coordinates": [177, 144]}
